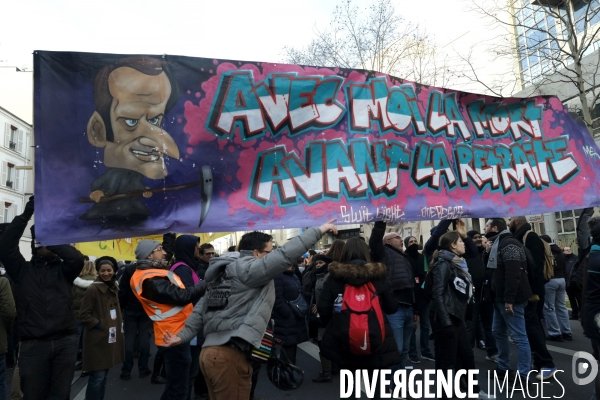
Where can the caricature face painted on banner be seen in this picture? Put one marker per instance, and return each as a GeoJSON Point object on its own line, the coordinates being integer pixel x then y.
{"type": "Point", "coordinates": [131, 102]}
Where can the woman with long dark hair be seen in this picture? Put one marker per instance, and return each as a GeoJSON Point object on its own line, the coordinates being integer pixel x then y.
{"type": "Point", "coordinates": [451, 291]}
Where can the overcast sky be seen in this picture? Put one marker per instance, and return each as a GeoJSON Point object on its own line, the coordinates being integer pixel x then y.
{"type": "Point", "coordinates": [253, 30]}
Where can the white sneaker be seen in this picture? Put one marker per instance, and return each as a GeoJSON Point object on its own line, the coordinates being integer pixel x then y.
{"type": "Point", "coordinates": [493, 358]}
{"type": "Point", "coordinates": [484, 395]}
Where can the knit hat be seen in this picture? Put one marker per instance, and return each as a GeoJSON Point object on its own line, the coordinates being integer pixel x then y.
{"type": "Point", "coordinates": [321, 257]}
{"type": "Point", "coordinates": [145, 248]}
{"type": "Point", "coordinates": [473, 233]}
{"type": "Point", "coordinates": [103, 260]}
{"type": "Point", "coordinates": [546, 238]}
{"type": "Point", "coordinates": [406, 239]}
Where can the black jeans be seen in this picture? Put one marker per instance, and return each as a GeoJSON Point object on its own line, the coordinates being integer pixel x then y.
{"type": "Point", "coordinates": [487, 317]}
{"type": "Point", "coordinates": [194, 369]}
{"type": "Point", "coordinates": [178, 360]}
{"type": "Point", "coordinates": [536, 335]}
{"type": "Point", "coordinates": [46, 367]}
{"type": "Point", "coordinates": [290, 352]}
{"type": "Point", "coordinates": [451, 344]}
{"type": "Point", "coordinates": [136, 324]}
{"type": "Point", "coordinates": [575, 299]}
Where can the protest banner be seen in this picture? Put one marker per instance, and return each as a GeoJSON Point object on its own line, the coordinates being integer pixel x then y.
{"type": "Point", "coordinates": [138, 145]}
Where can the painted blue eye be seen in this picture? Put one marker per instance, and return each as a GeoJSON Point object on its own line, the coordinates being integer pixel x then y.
{"type": "Point", "coordinates": [154, 121]}
{"type": "Point", "coordinates": [131, 122]}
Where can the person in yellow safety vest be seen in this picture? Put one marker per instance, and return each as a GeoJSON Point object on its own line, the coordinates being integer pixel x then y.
{"type": "Point", "coordinates": [168, 303]}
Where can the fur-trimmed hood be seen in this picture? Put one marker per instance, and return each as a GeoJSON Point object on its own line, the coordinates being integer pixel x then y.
{"type": "Point", "coordinates": [84, 282]}
{"type": "Point", "coordinates": [357, 272]}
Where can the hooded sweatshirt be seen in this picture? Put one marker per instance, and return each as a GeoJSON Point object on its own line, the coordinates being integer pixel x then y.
{"type": "Point", "coordinates": [185, 246]}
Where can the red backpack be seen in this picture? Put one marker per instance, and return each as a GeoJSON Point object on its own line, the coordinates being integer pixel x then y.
{"type": "Point", "coordinates": [362, 321]}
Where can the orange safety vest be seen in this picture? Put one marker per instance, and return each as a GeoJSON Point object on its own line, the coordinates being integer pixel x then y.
{"type": "Point", "coordinates": [164, 316]}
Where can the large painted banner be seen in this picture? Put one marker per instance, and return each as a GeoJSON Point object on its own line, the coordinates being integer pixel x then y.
{"type": "Point", "coordinates": [137, 145]}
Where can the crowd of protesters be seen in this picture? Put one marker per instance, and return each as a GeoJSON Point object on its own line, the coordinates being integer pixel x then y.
{"type": "Point", "coordinates": [209, 315]}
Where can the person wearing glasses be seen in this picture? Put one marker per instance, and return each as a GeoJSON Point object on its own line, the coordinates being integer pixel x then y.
{"type": "Point", "coordinates": [206, 252]}
{"type": "Point", "coordinates": [237, 307]}
{"type": "Point", "coordinates": [167, 303]}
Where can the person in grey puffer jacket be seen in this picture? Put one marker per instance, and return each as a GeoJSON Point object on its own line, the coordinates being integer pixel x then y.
{"type": "Point", "coordinates": [237, 307]}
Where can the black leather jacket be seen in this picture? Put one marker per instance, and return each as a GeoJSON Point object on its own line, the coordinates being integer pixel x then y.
{"type": "Point", "coordinates": [446, 296]}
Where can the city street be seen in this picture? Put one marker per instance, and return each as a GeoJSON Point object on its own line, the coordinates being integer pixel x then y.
{"type": "Point", "coordinates": [136, 388]}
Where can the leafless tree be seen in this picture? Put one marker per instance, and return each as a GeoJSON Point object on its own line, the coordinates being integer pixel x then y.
{"type": "Point", "coordinates": [377, 38]}
{"type": "Point", "coordinates": [550, 45]}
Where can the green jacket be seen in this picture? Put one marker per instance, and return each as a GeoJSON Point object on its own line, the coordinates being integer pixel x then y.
{"type": "Point", "coordinates": [7, 313]}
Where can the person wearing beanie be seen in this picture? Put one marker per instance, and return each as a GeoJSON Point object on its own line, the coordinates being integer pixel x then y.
{"type": "Point", "coordinates": [47, 328]}
{"type": "Point", "coordinates": [236, 309]}
{"type": "Point", "coordinates": [136, 322]}
{"type": "Point", "coordinates": [168, 303]}
{"type": "Point", "coordinates": [103, 342]}
{"type": "Point", "coordinates": [542, 359]}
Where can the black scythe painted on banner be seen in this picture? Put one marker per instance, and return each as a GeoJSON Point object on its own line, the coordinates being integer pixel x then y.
{"type": "Point", "coordinates": [206, 189]}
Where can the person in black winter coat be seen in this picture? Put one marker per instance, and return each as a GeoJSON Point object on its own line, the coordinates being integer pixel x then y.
{"type": "Point", "coordinates": [511, 293]}
{"type": "Point", "coordinates": [387, 249]}
{"type": "Point", "coordinates": [477, 271]}
{"type": "Point", "coordinates": [542, 359]}
{"type": "Point", "coordinates": [555, 306]}
{"type": "Point", "coordinates": [289, 327]}
{"type": "Point", "coordinates": [186, 249]}
{"type": "Point", "coordinates": [573, 293]}
{"type": "Point", "coordinates": [590, 307]}
{"type": "Point", "coordinates": [451, 291]}
{"type": "Point", "coordinates": [417, 262]}
{"type": "Point", "coordinates": [47, 329]}
{"type": "Point", "coordinates": [355, 269]}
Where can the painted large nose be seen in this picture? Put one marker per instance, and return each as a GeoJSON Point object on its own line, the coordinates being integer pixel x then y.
{"type": "Point", "coordinates": [159, 140]}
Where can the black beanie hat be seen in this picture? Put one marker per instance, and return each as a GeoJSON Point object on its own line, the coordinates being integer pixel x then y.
{"type": "Point", "coordinates": [473, 233]}
{"type": "Point", "coordinates": [321, 257]}
{"type": "Point", "coordinates": [546, 238]}
{"type": "Point", "coordinates": [103, 259]}
{"type": "Point", "coordinates": [406, 239]}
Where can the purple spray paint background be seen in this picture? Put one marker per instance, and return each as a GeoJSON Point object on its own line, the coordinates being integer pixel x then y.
{"type": "Point", "coordinates": [67, 164]}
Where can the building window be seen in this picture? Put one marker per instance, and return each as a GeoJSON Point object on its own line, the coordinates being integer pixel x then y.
{"type": "Point", "coordinates": [8, 212]}
{"type": "Point", "coordinates": [566, 221]}
{"type": "Point", "coordinates": [13, 138]}
{"type": "Point", "coordinates": [9, 176]}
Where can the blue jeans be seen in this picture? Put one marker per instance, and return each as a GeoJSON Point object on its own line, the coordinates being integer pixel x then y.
{"type": "Point", "coordinates": [136, 324]}
{"type": "Point", "coordinates": [515, 324]}
{"type": "Point", "coordinates": [424, 329]}
{"type": "Point", "coordinates": [96, 385]}
{"type": "Point", "coordinates": [402, 324]}
{"type": "Point", "coordinates": [555, 308]}
{"type": "Point", "coordinates": [178, 360]}
{"type": "Point", "coordinates": [46, 367]}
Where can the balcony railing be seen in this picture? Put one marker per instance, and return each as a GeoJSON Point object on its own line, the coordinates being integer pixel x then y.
{"type": "Point", "coordinates": [12, 145]}
{"type": "Point", "coordinates": [9, 184]}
